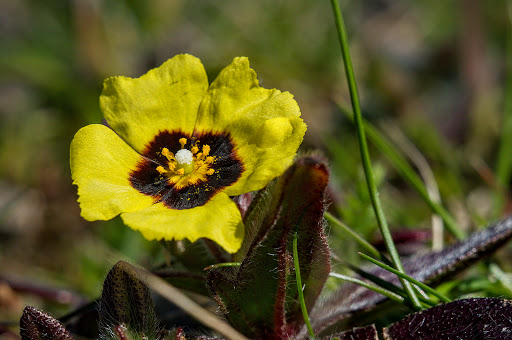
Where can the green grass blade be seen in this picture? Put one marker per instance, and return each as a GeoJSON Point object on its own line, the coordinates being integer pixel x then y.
{"type": "Point", "coordinates": [504, 159]}
{"type": "Point", "coordinates": [393, 296]}
{"type": "Point", "coordinates": [408, 173]}
{"type": "Point", "coordinates": [358, 119]}
{"type": "Point", "coordinates": [408, 278]}
{"type": "Point", "coordinates": [299, 288]}
{"type": "Point", "coordinates": [223, 264]}
{"type": "Point", "coordinates": [391, 287]}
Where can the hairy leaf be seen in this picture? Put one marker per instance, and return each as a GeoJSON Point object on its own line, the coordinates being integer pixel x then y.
{"type": "Point", "coordinates": [260, 297]}
{"type": "Point", "coordinates": [35, 325]}
{"type": "Point", "coordinates": [126, 306]}
{"type": "Point", "coordinates": [357, 333]}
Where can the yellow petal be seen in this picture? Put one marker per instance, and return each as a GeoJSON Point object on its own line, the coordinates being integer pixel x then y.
{"type": "Point", "coordinates": [269, 155]}
{"type": "Point", "coordinates": [265, 124]}
{"type": "Point", "coordinates": [100, 165]}
{"type": "Point", "coordinates": [166, 97]}
{"type": "Point", "coordinates": [218, 220]}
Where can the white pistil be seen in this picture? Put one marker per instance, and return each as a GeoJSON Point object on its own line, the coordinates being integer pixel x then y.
{"type": "Point", "coordinates": [184, 157]}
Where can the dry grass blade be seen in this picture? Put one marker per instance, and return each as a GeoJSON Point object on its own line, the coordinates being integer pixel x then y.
{"type": "Point", "coordinates": [426, 173]}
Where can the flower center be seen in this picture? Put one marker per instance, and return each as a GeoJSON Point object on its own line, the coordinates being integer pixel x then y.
{"type": "Point", "coordinates": [187, 167]}
{"type": "Point", "coordinates": [184, 160]}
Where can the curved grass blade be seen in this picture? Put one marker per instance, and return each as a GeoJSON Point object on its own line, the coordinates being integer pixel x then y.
{"type": "Point", "coordinates": [365, 157]}
{"type": "Point", "coordinates": [378, 289]}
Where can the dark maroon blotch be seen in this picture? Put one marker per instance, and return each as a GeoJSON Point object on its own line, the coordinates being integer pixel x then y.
{"type": "Point", "coordinates": [147, 180]}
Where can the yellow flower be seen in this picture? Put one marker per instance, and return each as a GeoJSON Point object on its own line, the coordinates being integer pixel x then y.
{"type": "Point", "coordinates": [176, 149]}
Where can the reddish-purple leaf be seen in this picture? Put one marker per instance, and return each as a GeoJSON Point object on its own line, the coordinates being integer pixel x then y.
{"type": "Point", "coordinates": [260, 297]}
{"type": "Point", "coordinates": [483, 318]}
{"type": "Point", "coordinates": [35, 325]}
{"type": "Point", "coordinates": [431, 268]}
{"type": "Point", "coordinates": [357, 333]}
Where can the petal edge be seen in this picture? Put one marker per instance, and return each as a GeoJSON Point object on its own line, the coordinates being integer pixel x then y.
{"type": "Point", "coordinates": [166, 97]}
{"type": "Point", "coordinates": [265, 124]}
{"type": "Point", "coordinates": [100, 164]}
{"type": "Point", "coordinates": [218, 220]}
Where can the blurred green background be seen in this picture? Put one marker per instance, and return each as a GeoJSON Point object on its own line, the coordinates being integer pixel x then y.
{"type": "Point", "coordinates": [432, 72]}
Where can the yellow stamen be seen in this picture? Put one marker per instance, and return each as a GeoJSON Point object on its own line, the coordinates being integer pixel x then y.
{"type": "Point", "coordinates": [183, 141]}
{"type": "Point", "coordinates": [167, 154]}
{"type": "Point", "coordinates": [187, 166]}
{"type": "Point", "coordinates": [206, 150]}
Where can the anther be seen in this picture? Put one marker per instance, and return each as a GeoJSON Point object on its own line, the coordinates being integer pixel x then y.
{"type": "Point", "coordinates": [167, 154]}
{"type": "Point", "coordinates": [183, 141]}
{"type": "Point", "coordinates": [206, 150]}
